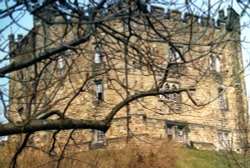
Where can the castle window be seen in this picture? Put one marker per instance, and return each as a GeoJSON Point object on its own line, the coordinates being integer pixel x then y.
{"type": "Point", "coordinates": [174, 55]}
{"type": "Point", "coordinates": [98, 55]}
{"type": "Point", "coordinates": [99, 90]}
{"type": "Point", "coordinates": [176, 132]}
{"type": "Point", "coordinates": [223, 140]}
{"type": "Point", "coordinates": [165, 88]}
{"type": "Point", "coordinates": [174, 97]}
{"type": "Point", "coordinates": [214, 63]}
{"type": "Point", "coordinates": [100, 136]}
{"type": "Point", "coordinates": [170, 131]}
{"type": "Point", "coordinates": [222, 99]}
{"type": "Point", "coordinates": [211, 63]}
{"type": "Point", "coordinates": [180, 133]}
{"type": "Point", "coordinates": [61, 63]}
{"type": "Point", "coordinates": [217, 64]}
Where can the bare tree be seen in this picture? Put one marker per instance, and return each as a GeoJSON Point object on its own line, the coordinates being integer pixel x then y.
{"type": "Point", "coordinates": [83, 65]}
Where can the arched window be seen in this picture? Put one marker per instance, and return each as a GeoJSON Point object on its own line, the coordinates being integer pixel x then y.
{"type": "Point", "coordinates": [217, 64]}
{"type": "Point", "coordinates": [165, 87]}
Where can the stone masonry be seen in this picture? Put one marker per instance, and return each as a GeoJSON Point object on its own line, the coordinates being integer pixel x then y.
{"type": "Point", "coordinates": [213, 116]}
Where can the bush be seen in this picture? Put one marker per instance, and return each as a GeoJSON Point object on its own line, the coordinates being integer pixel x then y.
{"type": "Point", "coordinates": [164, 154]}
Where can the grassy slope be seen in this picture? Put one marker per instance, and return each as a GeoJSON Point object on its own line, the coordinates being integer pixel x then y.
{"type": "Point", "coordinates": [164, 156]}
{"type": "Point", "coordinates": [193, 158]}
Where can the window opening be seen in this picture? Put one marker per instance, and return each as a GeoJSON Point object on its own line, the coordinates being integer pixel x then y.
{"type": "Point", "coordinates": [98, 56]}
{"type": "Point", "coordinates": [175, 95]}
{"type": "Point", "coordinates": [165, 88]}
{"type": "Point", "coordinates": [61, 63]}
{"type": "Point", "coordinates": [174, 56]}
{"type": "Point", "coordinates": [217, 64]}
{"type": "Point", "coordinates": [99, 91]}
{"type": "Point", "coordinates": [223, 139]}
{"type": "Point", "coordinates": [222, 99]}
{"type": "Point", "coordinates": [212, 62]}
{"type": "Point", "coordinates": [100, 136]}
{"type": "Point", "coordinates": [170, 131]}
{"type": "Point", "coordinates": [176, 132]}
{"type": "Point", "coordinates": [180, 133]}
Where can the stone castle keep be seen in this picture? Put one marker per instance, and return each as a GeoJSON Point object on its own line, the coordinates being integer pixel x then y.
{"type": "Point", "coordinates": [198, 61]}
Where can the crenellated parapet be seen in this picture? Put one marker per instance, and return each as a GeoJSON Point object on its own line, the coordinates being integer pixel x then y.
{"type": "Point", "coordinates": [13, 42]}
{"type": "Point", "coordinates": [229, 22]}
{"type": "Point", "coordinates": [190, 17]}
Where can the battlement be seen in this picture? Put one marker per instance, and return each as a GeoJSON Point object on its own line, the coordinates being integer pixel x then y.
{"type": "Point", "coordinates": [14, 41]}
{"type": "Point", "coordinates": [229, 22]}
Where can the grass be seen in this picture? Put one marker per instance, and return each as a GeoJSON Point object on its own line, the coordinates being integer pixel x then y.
{"type": "Point", "coordinates": [164, 155]}
{"type": "Point", "coordinates": [193, 158]}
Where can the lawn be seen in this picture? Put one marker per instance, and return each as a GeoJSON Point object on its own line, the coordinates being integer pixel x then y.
{"type": "Point", "coordinates": [193, 158]}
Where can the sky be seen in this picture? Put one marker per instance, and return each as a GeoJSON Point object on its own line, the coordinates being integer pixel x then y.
{"type": "Point", "coordinates": [25, 23]}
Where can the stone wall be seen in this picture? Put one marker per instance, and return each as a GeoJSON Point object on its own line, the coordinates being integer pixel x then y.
{"type": "Point", "coordinates": [203, 124]}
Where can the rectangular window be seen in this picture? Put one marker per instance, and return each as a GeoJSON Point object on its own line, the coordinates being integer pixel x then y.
{"type": "Point", "coordinates": [170, 131]}
{"type": "Point", "coordinates": [215, 63]}
{"type": "Point", "coordinates": [61, 63]}
{"type": "Point", "coordinates": [175, 97]}
{"type": "Point", "coordinates": [99, 90]}
{"type": "Point", "coordinates": [211, 63]}
{"type": "Point", "coordinates": [176, 132]}
{"type": "Point", "coordinates": [100, 136]}
{"type": "Point", "coordinates": [180, 133]}
{"type": "Point", "coordinates": [98, 55]}
{"type": "Point", "coordinates": [223, 140]}
{"type": "Point", "coordinates": [222, 99]}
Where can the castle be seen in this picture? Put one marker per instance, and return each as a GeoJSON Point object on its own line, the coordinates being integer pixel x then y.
{"type": "Point", "coordinates": [194, 65]}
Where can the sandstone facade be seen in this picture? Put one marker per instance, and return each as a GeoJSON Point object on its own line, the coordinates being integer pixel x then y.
{"type": "Point", "coordinates": [213, 116]}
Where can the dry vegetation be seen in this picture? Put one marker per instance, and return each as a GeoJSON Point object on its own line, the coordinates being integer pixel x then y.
{"type": "Point", "coordinates": [163, 155]}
